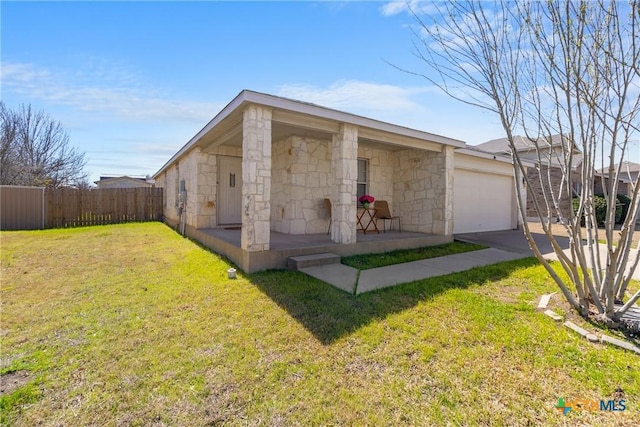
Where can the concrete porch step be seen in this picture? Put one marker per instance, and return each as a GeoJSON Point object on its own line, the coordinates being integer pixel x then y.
{"type": "Point", "coordinates": [304, 261]}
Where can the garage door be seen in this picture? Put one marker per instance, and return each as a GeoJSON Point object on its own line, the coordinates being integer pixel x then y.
{"type": "Point", "coordinates": [482, 202]}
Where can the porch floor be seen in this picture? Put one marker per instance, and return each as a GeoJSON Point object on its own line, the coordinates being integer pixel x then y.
{"type": "Point", "coordinates": [282, 246]}
{"type": "Point", "coordinates": [282, 241]}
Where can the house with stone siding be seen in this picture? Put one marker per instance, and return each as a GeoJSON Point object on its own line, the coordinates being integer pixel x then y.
{"type": "Point", "coordinates": [547, 174]}
{"type": "Point", "coordinates": [252, 183]}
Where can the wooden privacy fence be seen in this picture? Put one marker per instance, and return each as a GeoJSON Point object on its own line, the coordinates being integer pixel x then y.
{"type": "Point", "coordinates": [21, 208]}
{"type": "Point", "coordinates": [65, 207]}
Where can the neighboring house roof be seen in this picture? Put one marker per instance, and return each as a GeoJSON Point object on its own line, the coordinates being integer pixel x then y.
{"type": "Point", "coordinates": [527, 148]}
{"type": "Point", "coordinates": [291, 111]}
{"type": "Point", "coordinates": [628, 173]}
{"type": "Point", "coordinates": [521, 143]}
{"type": "Point", "coordinates": [123, 181]}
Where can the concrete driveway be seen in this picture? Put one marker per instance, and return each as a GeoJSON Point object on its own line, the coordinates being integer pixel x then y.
{"type": "Point", "coordinates": [512, 241]}
{"type": "Point", "coordinates": [515, 241]}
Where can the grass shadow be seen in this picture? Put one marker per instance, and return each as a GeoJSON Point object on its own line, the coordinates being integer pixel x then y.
{"type": "Point", "coordinates": [329, 313]}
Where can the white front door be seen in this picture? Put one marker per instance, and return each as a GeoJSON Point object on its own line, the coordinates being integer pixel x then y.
{"type": "Point", "coordinates": [229, 190]}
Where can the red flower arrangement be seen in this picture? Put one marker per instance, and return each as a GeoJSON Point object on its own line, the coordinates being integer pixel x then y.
{"type": "Point", "coordinates": [366, 200]}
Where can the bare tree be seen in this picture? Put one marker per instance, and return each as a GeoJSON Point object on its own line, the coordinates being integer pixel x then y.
{"type": "Point", "coordinates": [554, 68]}
{"type": "Point", "coordinates": [35, 150]}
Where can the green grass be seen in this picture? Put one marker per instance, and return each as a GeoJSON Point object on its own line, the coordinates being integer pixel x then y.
{"type": "Point", "coordinates": [134, 325]}
{"type": "Point", "coordinates": [365, 262]}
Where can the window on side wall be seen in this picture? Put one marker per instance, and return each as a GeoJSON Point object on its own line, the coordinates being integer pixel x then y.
{"type": "Point", "coordinates": [363, 177]}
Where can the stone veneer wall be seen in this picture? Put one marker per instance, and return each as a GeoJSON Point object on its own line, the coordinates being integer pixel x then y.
{"type": "Point", "coordinates": [198, 169]}
{"type": "Point", "coordinates": [189, 173]}
{"type": "Point", "coordinates": [301, 180]}
{"type": "Point", "coordinates": [170, 195]}
{"type": "Point", "coordinates": [420, 191]}
{"type": "Point", "coordinates": [207, 184]}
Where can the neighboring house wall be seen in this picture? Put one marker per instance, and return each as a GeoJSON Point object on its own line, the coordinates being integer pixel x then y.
{"type": "Point", "coordinates": [623, 187]}
{"type": "Point", "coordinates": [123, 182]}
{"type": "Point", "coordinates": [540, 187]}
{"type": "Point", "coordinates": [532, 155]}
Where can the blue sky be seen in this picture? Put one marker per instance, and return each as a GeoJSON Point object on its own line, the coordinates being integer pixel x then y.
{"type": "Point", "coordinates": [132, 82]}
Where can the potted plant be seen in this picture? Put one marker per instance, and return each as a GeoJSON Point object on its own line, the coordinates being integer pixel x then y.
{"type": "Point", "coordinates": [366, 200]}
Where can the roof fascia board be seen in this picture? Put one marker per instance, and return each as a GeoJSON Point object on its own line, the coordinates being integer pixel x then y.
{"type": "Point", "coordinates": [226, 111]}
{"type": "Point", "coordinates": [247, 96]}
{"type": "Point", "coordinates": [497, 157]}
{"type": "Point", "coordinates": [342, 117]}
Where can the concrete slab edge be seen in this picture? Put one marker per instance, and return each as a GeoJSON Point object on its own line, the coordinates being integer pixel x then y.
{"type": "Point", "coordinates": [544, 301]}
{"type": "Point", "coordinates": [619, 343]}
{"type": "Point", "coordinates": [603, 338]}
{"type": "Point", "coordinates": [576, 328]}
{"type": "Point", "coordinates": [553, 315]}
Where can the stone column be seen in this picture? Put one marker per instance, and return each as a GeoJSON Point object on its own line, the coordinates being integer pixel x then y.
{"type": "Point", "coordinates": [256, 178]}
{"type": "Point", "coordinates": [344, 163]}
{"type": "Point", "coordinates": [447, 170]}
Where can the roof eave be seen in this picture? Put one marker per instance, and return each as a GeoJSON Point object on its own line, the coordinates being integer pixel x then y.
{"type": "Point", "coordinates": [251, 97]}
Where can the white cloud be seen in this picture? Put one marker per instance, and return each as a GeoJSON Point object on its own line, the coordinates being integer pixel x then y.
{"type": "Point", "coordinates": [393, 8]}
{"type": "Point", "coordinates": [110, 90]}
{"type": "Point", "coordinates": [423, 107]}
{"type": "Point", "coordinates": [356, 96]}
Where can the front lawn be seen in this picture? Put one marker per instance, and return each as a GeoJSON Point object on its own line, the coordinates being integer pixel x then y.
{"type": "Point", "coordinates": [135, 325]}
{"type": "Point", "coordinates": [367, 261]}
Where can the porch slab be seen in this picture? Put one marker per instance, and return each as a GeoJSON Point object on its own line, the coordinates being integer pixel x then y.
{"type": "Point", "coordinates": [313, 260]}
{"type": "Point", "coordinates": [338, 275]}
{"type": "Point", "coordinates": [282, 246]}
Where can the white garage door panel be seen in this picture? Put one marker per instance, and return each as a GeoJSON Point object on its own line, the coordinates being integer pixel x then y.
{"type": "Point", "coordinates": [481, 202]}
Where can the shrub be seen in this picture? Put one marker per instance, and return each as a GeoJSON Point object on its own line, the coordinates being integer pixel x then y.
{"type": "Point", "coordinates": [600, 206]}
{"type": "Point", "coordinates": [626, 204]}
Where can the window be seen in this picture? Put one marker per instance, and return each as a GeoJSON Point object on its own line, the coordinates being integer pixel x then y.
{"type": "Point", "coordinates": [363, 175]}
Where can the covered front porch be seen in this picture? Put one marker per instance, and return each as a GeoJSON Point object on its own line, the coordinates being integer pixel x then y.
{"type": "Point", "coordinates": [271, 166]}
{"type": "Point", "coordinates": [228, 242]}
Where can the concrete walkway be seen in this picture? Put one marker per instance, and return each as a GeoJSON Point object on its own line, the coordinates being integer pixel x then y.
{"type": "Point", "coordinates": [503, 246]}
{"type": "Point", "coordinates": [346, 278]}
